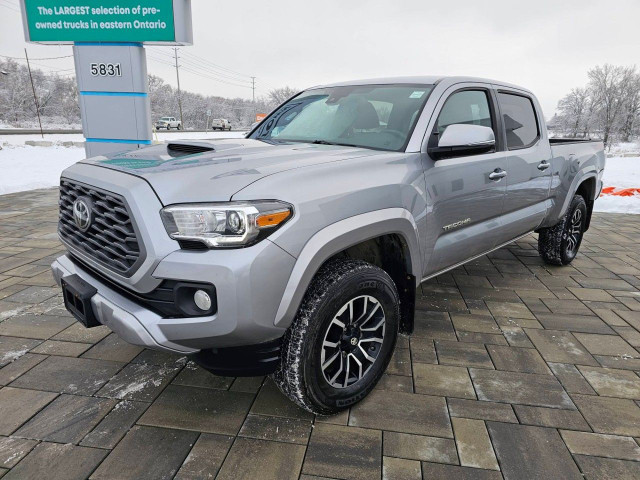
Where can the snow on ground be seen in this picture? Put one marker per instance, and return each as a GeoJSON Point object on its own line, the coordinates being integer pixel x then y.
{"type": "Point", "coordinates": [27, 168]}
{"type": "Point", "coordinates": [613, 204]}
{"type": "Point", "coordinates": [53, 123]}
{"type": "Point", "coordinates": [621, 172]}
{"type": "Point", "coordinates": [624, 148]}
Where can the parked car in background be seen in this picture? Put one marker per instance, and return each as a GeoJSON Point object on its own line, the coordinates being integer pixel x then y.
{"type": "Point", "coordinates": [168, 123]}
{"type": "Point", "coordinates": [297, 251]}
{"type": "Point", "coordinates": [220, 124]}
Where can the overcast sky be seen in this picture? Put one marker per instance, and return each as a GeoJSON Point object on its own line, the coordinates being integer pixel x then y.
{"type": "Point", "coordinates": [544, 45]}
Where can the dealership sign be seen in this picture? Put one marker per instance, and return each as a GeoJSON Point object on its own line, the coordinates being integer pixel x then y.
{"type": "Point", "coordinates": [143, 21]}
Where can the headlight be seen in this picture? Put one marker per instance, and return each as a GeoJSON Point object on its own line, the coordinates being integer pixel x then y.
{"type": "Point", "coordinates": [228, 224]}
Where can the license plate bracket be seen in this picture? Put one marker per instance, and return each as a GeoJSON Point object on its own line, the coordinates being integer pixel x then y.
{"type": "Point", "coordinates": [77, 299]}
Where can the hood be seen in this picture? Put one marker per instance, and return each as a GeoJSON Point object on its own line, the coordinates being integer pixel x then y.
{"type": "Point", "coordinates": [181, 171]}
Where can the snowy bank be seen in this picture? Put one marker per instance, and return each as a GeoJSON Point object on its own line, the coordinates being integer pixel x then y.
{"type": "Point", "coordinates": [27, 168]}
{"type": "Point", "coordinates": [622, 173]}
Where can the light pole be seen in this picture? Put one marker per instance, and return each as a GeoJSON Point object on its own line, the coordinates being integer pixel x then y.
{"type": "Point", "coordinates": [179, 92]}
{"type": "Point", "coordinates": [2, 72]}
{"type": "Point", "coordinates": [35, 98]}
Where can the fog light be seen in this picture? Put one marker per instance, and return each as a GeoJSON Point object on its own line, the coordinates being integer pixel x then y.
{"type": "Point", "coordinates": [202, 300]}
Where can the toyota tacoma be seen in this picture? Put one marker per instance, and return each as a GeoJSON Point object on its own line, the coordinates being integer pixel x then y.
{"type": "Point", "coordinates": [297, 251]}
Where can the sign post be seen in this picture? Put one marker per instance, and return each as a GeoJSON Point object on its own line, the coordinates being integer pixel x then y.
{"type": "Point", "coordinates": [108, 39]}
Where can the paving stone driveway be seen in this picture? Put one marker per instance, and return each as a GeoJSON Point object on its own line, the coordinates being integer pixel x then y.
{"type": "Point", "coordinates": [515, 370]}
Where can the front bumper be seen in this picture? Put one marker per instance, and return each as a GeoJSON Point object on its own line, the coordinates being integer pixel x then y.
{"type": "Point", "coordinates": [123, 316]}
{"type": "Point", "coordinates": [249, 285]}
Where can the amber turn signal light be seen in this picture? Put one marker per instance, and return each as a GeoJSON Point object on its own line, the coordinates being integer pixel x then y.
{"type": "Point", "coordinates": [272, 219]}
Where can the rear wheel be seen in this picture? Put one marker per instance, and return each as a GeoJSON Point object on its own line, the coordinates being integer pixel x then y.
{"type": "Point", "coordinates": [558, 245]}
{"type": "Point", "coordinates": [342, 338]}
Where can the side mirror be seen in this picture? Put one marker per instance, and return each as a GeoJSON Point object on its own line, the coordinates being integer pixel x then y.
{"type": "Point", "coordinates": [462, 139]}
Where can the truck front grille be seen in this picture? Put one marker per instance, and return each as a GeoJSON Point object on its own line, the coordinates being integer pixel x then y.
{"type": "Point", "coordinates": [110, 238]}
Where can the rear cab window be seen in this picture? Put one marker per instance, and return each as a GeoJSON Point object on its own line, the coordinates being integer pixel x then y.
{"type": "Point", "coordinates": [519, 119]}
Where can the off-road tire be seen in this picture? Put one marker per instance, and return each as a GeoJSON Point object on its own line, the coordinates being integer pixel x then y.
{"type": "Point", "coordinates": [299, 375]}
{"type": "Point", "coordinates": [553, 242]}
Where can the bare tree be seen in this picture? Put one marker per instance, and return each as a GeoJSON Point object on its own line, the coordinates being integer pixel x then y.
{"type": "Point", "coordinates": [58, 97]}
{"type": "Point", "coordinates": [609, 106]}
{"type": "Point", "coordinates": [631, 107]}
{"type": "Point", "coordinates": [607, 84]}
{"type": "Point", "coordinates": [278, 96]}
{"type": "Point", "coordinates": [573, 109]}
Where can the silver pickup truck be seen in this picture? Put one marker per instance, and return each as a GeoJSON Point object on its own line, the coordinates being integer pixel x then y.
{"type": "Point", "coordinates": [168, 123]}
{"type": "Point", "coordinates": [297, 251]}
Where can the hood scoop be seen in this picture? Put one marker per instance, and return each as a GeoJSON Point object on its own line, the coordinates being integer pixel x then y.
{"type": "Point", "coordinates": [179, 149]}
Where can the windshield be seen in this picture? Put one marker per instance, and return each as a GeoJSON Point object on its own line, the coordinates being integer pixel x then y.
{"type": "Point", "coordinates": [371, 116]}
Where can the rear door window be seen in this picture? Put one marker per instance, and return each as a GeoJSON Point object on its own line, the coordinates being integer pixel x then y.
{"type": "Point", "coordinates": [520, 122]}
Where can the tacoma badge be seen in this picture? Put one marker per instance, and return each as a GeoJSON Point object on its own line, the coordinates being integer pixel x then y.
{"type": "Point", "coordinates": [457, 224]}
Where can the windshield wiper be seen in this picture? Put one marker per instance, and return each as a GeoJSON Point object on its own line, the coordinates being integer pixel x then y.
{"type": "Point", "coordinates": [325, 142]}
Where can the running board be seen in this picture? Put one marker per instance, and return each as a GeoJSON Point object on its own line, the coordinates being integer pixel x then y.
{"type": "Point", "coordinates": [474, 257]}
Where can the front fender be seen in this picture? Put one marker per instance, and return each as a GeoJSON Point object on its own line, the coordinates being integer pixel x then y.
{"type": "Point", "coordinates": [336, 238]}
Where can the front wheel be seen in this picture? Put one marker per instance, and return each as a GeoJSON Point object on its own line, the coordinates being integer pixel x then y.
{"type": "Point", "coordinates": [342, 338]}
{"type": "Point", "coordinates": [558, 245]}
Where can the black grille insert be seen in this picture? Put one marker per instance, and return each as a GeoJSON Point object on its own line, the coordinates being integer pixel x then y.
{"type": "Point", "coordinates": [111, 237]}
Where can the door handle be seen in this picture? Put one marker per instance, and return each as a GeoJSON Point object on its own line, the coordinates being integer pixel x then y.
{"type": "Point", "coordinates": [543, 165]}
{"type": "Point", "coordinates": [497, 174]}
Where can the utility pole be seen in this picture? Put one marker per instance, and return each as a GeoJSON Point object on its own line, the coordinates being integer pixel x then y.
{"type": "Point", "coordinates": [253, 88]}
{"type": "Point", "coordinates": [33, 88]}
{"type": "Point", "coordinates": [179, 93]}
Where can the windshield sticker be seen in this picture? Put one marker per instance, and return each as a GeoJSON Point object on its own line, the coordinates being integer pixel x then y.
{"type": "Point", "coordinates": [417, 94]}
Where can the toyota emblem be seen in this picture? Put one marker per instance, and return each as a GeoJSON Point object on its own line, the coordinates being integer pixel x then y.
{"type": "Point", "coordinates": [82, 213]}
